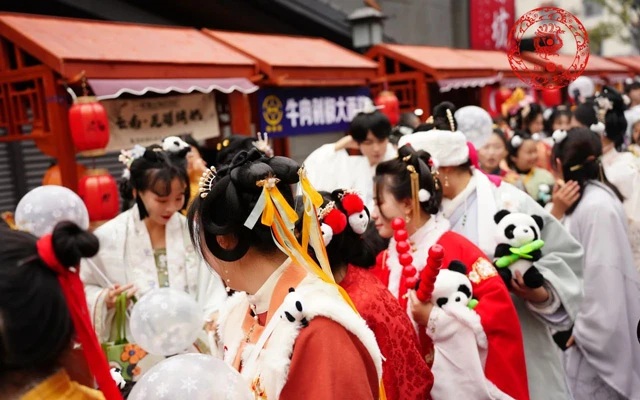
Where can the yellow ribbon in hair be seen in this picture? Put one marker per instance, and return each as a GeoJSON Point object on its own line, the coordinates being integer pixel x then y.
{"type": "Point", "coordinates": [311, 231]}
{"type": "Point", "coordinates": [265, 205]}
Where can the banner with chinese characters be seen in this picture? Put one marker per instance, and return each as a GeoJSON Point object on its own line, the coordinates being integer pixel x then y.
{"type": "Point", "coordinates": [302, 111]}
{"type": "Point", "coordinates": [146, 121]}
{"type": "Point", "coordinates": [490, 22]}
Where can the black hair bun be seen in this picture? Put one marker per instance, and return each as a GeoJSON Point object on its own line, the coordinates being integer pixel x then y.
{"type": "Point", "coordinates": [441, 119]}
{"type": "Point", "coordinates": [71, 243]}
{"type": "Point", "coordinates": [285, 169]}
{"type": "Point", "coordinates": [440, 110]}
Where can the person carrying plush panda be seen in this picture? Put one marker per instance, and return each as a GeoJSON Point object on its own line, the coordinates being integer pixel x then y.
{"type": "Point", "coordinates": [344, 219]}
{"type": "Point", "coordinates": [470, 202]}
{"type": "Point", "coordinates": [289, 330]}
{"type": "Point", "coordinates": [408, 188]}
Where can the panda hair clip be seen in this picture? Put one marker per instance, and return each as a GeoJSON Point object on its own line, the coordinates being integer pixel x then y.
{"type": "Point", "coordinates": [559, 135]}
{"type": "Point", "coordinates": [293, 310]}
{"type": "Point", "coordinates": [332, 220]}
{"type": "Point", "coordinates": [516, 141]}
{"type": "Point", "coordinates": [175, 146]}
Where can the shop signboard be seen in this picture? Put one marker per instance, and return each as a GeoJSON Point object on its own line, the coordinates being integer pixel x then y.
{"type": "Point", "coordinates": [302, 111]}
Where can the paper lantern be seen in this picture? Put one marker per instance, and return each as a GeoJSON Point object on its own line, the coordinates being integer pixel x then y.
{"type": "Point", "coordinates": [497, 96]}
{"type": "Point", "coordinates": [53, 177]}
{"type": "Point", "coordinates": [391, 106]}
{"type": "Point", "coordinates": [551, 97]}
{"type": "Point", "coordinates": [89, 126]}
{"type": "Point", "coordinates": [99, 191]}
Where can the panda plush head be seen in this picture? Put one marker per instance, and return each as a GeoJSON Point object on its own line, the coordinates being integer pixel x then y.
{"type": "Point", "coordinates": [517, 229]}
{"type": "Point", "coordinates": [176, 146]}
{"type": "Point", "coordinates": [452, 286]}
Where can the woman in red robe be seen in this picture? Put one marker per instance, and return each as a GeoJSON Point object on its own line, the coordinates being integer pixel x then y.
{"type": "Point", "coordinates": [407, 187]}
{"type": "Point", "coordinates": [289, 332]}
{"type": "Point", "coordinates": [344, 218]}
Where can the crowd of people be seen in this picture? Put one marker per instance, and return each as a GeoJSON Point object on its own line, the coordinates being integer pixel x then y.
{"type": "Point", "coordinates": [460, 257]}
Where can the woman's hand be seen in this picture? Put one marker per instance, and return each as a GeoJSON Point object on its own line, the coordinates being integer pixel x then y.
{"type": "Point", "coordinates": [116, 290]}
{"type": "Point", "coordinates": [419, 310]}
{"type": "Point", "coordinates": [537, 295]}
{"type": "Point", "coordinates": [564, 197]}
{"type": "Point", "coordinates": [571, 342]}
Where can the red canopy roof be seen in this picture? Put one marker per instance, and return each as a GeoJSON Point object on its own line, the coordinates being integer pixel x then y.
{"type": "Point", "coordinates": [123, 50]}
{"type": "Point", "coordinates": [295, 60]}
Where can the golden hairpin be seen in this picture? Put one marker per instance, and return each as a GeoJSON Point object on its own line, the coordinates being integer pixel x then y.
{"type": "Point", "coordinates": [406, 158]}
{"type": "Point", "coordinates": [222, 144]}
{"type": "Point", "coordinates": [206, 181]}
{"type": "Point", "coordinates": [269, 182]}
{"type": "Point", "coordinates": [324, 211]}
{"type": "Point", "coordinates": [450, 118]}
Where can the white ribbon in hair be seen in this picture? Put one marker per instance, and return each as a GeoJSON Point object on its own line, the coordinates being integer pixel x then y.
{"type": "Point", "coordinates": [598, 128]}
{"type": "Point", "coordinates": [559, 135]}
{"type": "Point", "coordinates": [516, 141]}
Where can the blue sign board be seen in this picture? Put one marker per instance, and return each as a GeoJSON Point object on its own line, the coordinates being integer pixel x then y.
{"type": "Point", "coordinates": [302, 111]}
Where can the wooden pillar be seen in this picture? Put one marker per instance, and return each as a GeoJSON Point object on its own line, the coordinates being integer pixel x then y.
{"type": "Point", "coordinates": [58, 119]}
{"type": "Point", "coordinates": [240, 110]}
{"type": "Point", "coordinates": [422, 96]}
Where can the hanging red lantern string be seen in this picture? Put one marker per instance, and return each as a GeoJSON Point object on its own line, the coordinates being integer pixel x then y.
{"type": "Point", "coordinates": [89, 124]}
{"type": "Point", "coordinates": [99, 191]}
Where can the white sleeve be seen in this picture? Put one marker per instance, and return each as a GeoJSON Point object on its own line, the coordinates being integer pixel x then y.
{"type": "Point", "coordinates": [96, 289]}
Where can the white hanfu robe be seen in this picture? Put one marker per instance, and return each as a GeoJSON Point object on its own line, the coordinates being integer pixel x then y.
{"type": "Point", "coordinates": [471, 215]}
{"type": "Point", "coordinates": [329, 170]}
{"type": "Point", "coordinates": [623, 170]}
{"type": "Point", "coordinates": [126, 256]}
{"type": "Point", "coordinates": [604, 363]}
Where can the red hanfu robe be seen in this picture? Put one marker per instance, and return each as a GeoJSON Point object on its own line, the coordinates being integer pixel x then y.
{"type": "Point", "coordinates": [405, 373]}
{"type": "Point", "coordinates": [505, 366]}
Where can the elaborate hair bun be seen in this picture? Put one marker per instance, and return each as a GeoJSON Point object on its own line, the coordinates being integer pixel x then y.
{"type": "Point", "coordinates": [441, 109]}
{"type": "Point", "coordinates": [285, 169]}
{"type": "Point", "coordinates": [71, 243]}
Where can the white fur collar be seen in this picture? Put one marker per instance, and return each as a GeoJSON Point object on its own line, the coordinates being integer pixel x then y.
{"type": "Point", "coordinates": [449, 206]}
{"type": "Point", "coordinates": [423, 239]}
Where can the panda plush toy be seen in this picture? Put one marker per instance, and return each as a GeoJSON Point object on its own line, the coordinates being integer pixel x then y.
{"type": "Point", "coordinates": [453, 287]}
{"type": "Point", "coordinates": [175, 146]}
{"type": "Point", "coordinates": [519, 247]}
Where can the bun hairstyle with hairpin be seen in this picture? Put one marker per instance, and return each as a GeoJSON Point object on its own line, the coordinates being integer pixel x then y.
{"type": "Point", "coordinates": [413, 175]}
{"type": "Point", "coordinates": [153, 168]}
{"type": "Point", "coordinates": [443, 117]}
{"type": "Point", "coordinates": [234, 192]}
{"type": "Point", "coordinates": [610, 108]}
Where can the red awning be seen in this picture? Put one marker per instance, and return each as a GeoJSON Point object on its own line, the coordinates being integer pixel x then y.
{"type": "Point", "coordinates": [106, 89]}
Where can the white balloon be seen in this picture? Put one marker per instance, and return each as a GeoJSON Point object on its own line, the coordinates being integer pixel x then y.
{"type": "Point", "coordinates": [40, 210]}
{"type": "Point", "coordinates": [585, 87]}
{"type": "Point", "coordinates": [194, 377]}
{"type": "Point", "coordinates": [166, 321]}
{"type": "Point", "coordinates": [476, 124]}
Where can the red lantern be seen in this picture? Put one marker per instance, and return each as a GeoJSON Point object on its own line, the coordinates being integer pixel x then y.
{"type": "Point", "coordinates": [496, 98]}
{"type": "Point", "coordinates": [89, 126]}
{"type": "Point", "coordinates": [99, 192]}
{"type": "Point", "coordinates": [52, 176]}
{"type": "Point", "coordinates": [551, 97]}
{"type": "Point", "coordinates": [391, 106]}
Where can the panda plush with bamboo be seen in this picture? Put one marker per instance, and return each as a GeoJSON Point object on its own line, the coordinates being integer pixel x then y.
{"type": "Point", "coordinates": [519, 247]}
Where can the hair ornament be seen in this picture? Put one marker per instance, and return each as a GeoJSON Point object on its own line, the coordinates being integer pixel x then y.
{"type": "Point", "coordinates": [598, 128]}
{"type": "Point", "coordinates": [516, 141]}
{"type": "Point", "coordinates": [452, 124]}
{"type": "Point", "coordinates": [430, 120]}
{"type": "Point", "coordinates": [525, 111]}
{"type": "Point", "coordinates": [127, 157]}
{"type": "Point", "coordinates": [536, 137]}
{"type": "Point", "coordinates": [604, 103]}
{"type": "Point", "coordinates": [222, 144]}
{"type": "Point", "coordinates": [269, 182]}
{"type": "Point", "coordinates": [626, 99]}
{"type": "Point", "coordinates": [353, 205]}
{"type": "Point", "coordinates": [206, 181]}
{"type": "Point", "coordinates": [559, 135]}
{"type": "Point", "coordinates": [546, 114]}
{"type": "Point", "coordinates": [424, 195]}
{"type": "Point", "coordinates": [579, 166]}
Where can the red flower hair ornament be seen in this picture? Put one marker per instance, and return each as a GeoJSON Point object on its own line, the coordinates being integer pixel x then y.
{"type": "Point", "coordinates": [333, 222]}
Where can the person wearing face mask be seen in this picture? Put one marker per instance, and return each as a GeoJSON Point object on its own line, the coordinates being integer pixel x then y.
{"type": "Point", "coordinates": [331, 167]}
{"type": "Point", "coordinates": [408, 188]}
{"type": "Point", "coordinates": [147, 247]}
{"type": "Point", "coordinates": [470, 203]}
